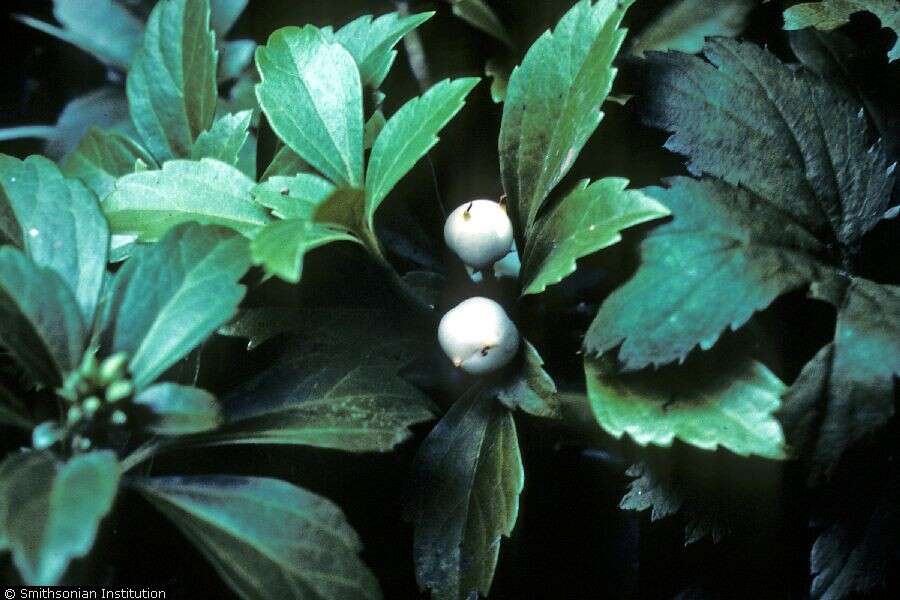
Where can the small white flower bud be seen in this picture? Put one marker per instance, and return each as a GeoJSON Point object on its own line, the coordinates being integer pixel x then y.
{"type": "Point", "coordinates": [478, 336]}
{"type": "Point", "coordinates": [479, 232]}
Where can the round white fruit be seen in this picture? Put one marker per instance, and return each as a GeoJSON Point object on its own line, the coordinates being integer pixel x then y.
{"type": "Point", "coordinates": [479, 232]}
{"type": "Point", "coordinates": [478, 336]}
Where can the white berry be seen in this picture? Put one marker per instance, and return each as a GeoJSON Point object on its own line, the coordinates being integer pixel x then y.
{"type": "Point", "coordinates": [479, 232]}
{"type": "Point", "coordinates": [478, 336]}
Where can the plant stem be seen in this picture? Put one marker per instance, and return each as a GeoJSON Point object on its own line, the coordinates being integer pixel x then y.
{"type": "Point", "coordinates": [27, 131]}
{"type": "Point", "coordinates": [415, 52]}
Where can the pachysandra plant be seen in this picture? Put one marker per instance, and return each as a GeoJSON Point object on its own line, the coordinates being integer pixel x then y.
{"type": "Point", "coordinates": [134, 252]}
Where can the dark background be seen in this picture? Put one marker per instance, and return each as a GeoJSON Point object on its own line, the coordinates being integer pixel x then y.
{"type": "Point", "coordinates": [571, 540]}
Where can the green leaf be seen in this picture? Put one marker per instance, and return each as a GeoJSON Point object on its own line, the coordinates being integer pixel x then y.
{"type": "Point", "coordinates": [845, 393]}
{"type": "Point", "coordinates": [829, 14]}
{"type": "Point", "coordinates": [224, 14]}
{"type": "Point", "coordinates": [530, 388]}
{"type": "Point", "coordinates": [371, 42]}
{"type": "Point", "coordinates": [179, 409]}
{"type": "Point", "coordinates": [312, 95]}
{"type": "Point", "coordinates": [102, 157]}
{"type": "Point", "coordinates": [61, 223]}
{"type": "Point", "coordinates": [797, 147]}
{"type": "Point", "coordinates": [266, 538]}
{"type": "Point", "coordinates": [41, 324]}
{"type": "Point", "coordinates": [685, 24]}
{"type": "Point", "coordinates": [552, 104]}
{"type": "Point", "coordinates": [103, 28]}
{"type": "Point", "coordinates": [294, 197]}
{"type": "Point", "coordinates": [171, 85]}
{"type": "Point", "coordinates": [373, 128]}
{"type": "Point", "coordinates": [51, 510]}
{"type": "Point", "coordinates": [481, 16]}
{"type": "Point", "coordinates": [588, 219]}
{"type": "Point", "coordinates": [280, 246]}
{"type": "Point", "coordinates": [168, 297]}
{"type": "Point", "coordinates": [716, 263]}
{"type": "Point", "coordinates": [709, 402]}
{"type": "Point", "coordinates": [149, 203]}
{"type": "Point", "coordinates": [796, 141]}
{"type": "Point", "coordinates": [225, 141]}
{"type": "Point", "coordinates": [409, 135]}
{"type": "Point", "coordinates": [466, 483]}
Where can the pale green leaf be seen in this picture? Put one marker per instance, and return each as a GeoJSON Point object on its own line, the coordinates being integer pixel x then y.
{"type": "Point", "coordinates": [62, 227]}
{"type": "Point", "coordinates": [102, 157]}
{"type": "Point", "coordinates": [168, 297]}
{"type": "Point", "coordinates": [280, 246]}
{"type": "Point", "coordinates": [285, 163]}
{"type": "Point", "coordinates": [293, 197]}
{"type": "Point", "coordinates": [409, 135]}
{"type": "Point", "coordinates": [149, 203]}
{"type": "Point", "coordinates": [103, 28]}
{"type": "Point", "coordinates": [467, 478]}
{"type": "Point", "coordinates": [266, 538]}
{"type": "Point", "coordinates": [685, 24]}
{"type": "Point", "coordinates": [553, 104]}
{"type": "Point", "coordinates": [105, 107]}
{"type": "Point", "coordinates": [178, 409]}
{"type": "Point", "coordinates": [708, 402]}
{"type": "Point", "coordinates": [52, 510]}
{"type": "Point", "coordinates": [225, 141]}
{"type": "Point", "coordinates": [171, 85]}
{"type": "Point", "coordinates": [312, 96]}
{"type": "Point", "coordinates": [829, 14]}
{"type": "Point", "coordinates": [371, 42]}
{"type": "Point", "coordinates": [586, 220]}
{"type": "Point", "coordinates": [40, 324]}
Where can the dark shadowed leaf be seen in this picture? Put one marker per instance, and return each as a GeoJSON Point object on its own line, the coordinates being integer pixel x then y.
{"type": "Point", "coordinates": [40, 324]}
{"type": "Point", "coordinates": [266, 538]}
{"type": "Point", "coordinates": [478, 14]}
{"type": "Point", "coordinates": [51, 510]}
{"type": "Point", "coordinates": [530, 388]}
{"type": "Point", "coordinates": [281, 246]}
{"type": "Point", "coordinates": [829, 14]}
{"type": "Point", "coordinates": [464, 496]}
{"type": "Point", "coordinates": [847, 390]}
